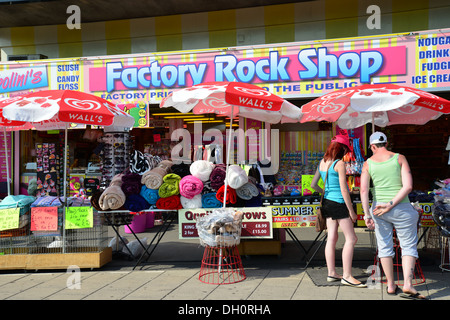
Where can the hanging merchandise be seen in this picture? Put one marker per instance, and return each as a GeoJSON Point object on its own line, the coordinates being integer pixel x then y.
{"type": "Point", "coordinates": [354, 160]}
{"type": "Point", "coordinates": [214, 153]}
{"type": "Point", "coordinates": [441, 210]}
{"type": "Point", "coordinates": [115, 155]}
{"type": "Point", "coordinates": [197, 153]}
{"type": "Point", "coordinates": [48, 169]}
{"type": "Point", "coordinates": [358, 155]}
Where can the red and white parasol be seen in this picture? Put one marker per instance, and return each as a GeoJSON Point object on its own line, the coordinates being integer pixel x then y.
{"type": "Point", "coordinates": [233, 99]}
{"type": "Point", "coordinates": [8, 125]}
{"type": "Point", "coordinates": [55, 108]}
{"type": "Point", "coordinates": [381, 104]}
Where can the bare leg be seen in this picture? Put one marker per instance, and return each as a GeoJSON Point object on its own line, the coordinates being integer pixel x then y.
{"type": "Point", "coordinates": [330, 247]}
{"type": "Point", "coordinates": [349, 245]}
{"type": "Point", "coordinates": [388, 268]}
{"type": "Point", "coordinates": [408, 264]}
{"type": "Point", "coordinates": [348, 249]}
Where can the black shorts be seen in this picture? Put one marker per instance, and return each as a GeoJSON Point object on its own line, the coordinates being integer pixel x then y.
{"type": "Point", "coordinates": [334, 210]}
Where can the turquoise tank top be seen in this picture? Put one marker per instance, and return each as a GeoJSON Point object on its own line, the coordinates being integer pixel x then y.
{"type": "Point", "coordinates": [387, 179]}
{"type": "Point", "coordinates": [332, 187]}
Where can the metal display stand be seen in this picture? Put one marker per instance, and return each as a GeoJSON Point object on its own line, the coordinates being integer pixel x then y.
{"type": "Point", "coordinates": [117, 218]}
{"type": "Point", "coordinates": [167, 221]}
{"type": "Point", "coordinates": [321, 238]}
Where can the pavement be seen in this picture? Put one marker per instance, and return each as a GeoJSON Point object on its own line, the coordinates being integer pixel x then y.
{"type": "Point", "coordinates": [172, 275]}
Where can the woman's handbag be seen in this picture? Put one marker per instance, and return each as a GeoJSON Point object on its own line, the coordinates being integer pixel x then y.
{"type": "Point", "coordinates": [321, 221]}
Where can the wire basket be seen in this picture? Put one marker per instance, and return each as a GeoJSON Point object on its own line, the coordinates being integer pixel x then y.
{"type": "Point", "coordinates": [221, 228]}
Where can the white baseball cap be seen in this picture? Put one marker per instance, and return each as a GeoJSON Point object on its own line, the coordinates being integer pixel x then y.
{"type": "Point", "coordinates": [377, 137]}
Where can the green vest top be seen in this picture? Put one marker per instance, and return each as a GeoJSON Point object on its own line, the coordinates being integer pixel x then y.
{"type": "Point", "coordinates": [387, 179]}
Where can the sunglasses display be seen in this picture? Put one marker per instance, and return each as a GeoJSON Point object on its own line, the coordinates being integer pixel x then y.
{"type": "Point", "coordinates": [115, 155]}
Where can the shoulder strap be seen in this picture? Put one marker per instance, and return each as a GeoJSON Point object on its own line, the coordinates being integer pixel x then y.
{"type": "Point", "coordinates": [324, 183]}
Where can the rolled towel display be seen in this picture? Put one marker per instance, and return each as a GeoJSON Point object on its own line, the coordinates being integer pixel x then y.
{"type": "Point", "coordinates": [217, 176]}
{"type": "Point", "coordinates": [116, 180]}
{"type": "Point", "coordinates": [181, 169]}
{"type": "Point", "coordinates": [153, 179]}
{"type": "Point", "coordinates": [131, 183]}
{"type": "Point", "coordinates": [150, 195]}
{"type": "Point", "coordinates": [207, 187]}
{"type": "Point", "coordinates": [136, 203]}
{"type": "Point", "coordinates": [170, 185]}
{"type": "Point", "coordinates": [201, 169]}
{"type": "Point", "coordinates": [231, 195]}
{"type": "Point", "coordinates": [247, 191]}
{"type": "Point", "coordinates": [236, 177]}
{"type": "Point", "coordinates": [209, 200]}
{"type": "Point", "coordinates": [95, 200]}
{"type": "Point", "coordinates": [169, 203]}
{"type": "Point", "coordinates": [166, 165]}
{"type": "Point", "coordinates": [113, 197]}
{"type": "Point", "coordinates": [139, 163]}
{"type": "Point", "coordinates": [254, 202]}
{"type": "Point", "coordinates": [195, 202]}
{"type": "Point", "coordinates": [190, 186]}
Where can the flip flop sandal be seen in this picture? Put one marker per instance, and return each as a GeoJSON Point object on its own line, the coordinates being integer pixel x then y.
{"type": "Point", "coordinates": [396, 291]}
{"type": "Point", "coordinates": [354, 285]}
{"type": "Point", "coordinates": [332, 279]}
{"type": "Point", "coordinates": [413, 296]}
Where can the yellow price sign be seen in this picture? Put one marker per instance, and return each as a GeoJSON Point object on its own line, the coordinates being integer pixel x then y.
{"type": "Point", "coordinates": [9, 218]}
{"type": "Point", "coordinates": [79, 218]}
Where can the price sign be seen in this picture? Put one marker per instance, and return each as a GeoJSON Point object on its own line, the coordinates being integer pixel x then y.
{"type": "Point", "coordinates": [256, 229]}
{"type": "Point", "coordinates": [9, 218]}
{"type": "Point", "coordinates": [79, 217]}
{"type": "Point", "coordinates": [294, 216]}
{"type": "Point", "coordinates": [44, 218]}
{"type": "Point", "coordinates": [256, 222]}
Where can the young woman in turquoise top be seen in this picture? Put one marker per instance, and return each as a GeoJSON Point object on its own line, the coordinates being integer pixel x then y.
{"type": "Point", "coordinates": [338, 209]}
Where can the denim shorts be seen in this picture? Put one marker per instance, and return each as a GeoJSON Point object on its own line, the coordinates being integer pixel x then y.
{"type": "Point", "coordinates": [334, 210]}
{"type": "Point", "coordinates": [404, 218]}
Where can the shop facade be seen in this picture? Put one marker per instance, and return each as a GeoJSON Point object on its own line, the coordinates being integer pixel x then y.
{"type": "Point", "coordinates": [296, 70]}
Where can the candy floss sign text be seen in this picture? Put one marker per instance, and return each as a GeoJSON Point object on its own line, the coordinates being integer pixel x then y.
{"type": "Point", "coordinates": [306, 64]}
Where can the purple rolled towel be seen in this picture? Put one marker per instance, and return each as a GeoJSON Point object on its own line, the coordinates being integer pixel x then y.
{"type": "Point", "coordinates": [131, 183]}
{"type": "Point", "coordinates": [217, 176]}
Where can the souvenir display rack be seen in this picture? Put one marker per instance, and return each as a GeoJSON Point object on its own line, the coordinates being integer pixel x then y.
{"type": "Point", "coordinates": [25, 248]}
{"type": "Point", "coordinates": [115, 155]}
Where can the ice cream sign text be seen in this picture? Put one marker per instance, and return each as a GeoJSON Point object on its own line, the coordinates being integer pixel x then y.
{"type": "Point", "coordinates": [306, 64]}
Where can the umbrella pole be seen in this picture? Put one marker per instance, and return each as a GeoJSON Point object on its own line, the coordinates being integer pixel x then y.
{"type": "Point", "coordinates": [7, 164]}
{"type": "Point", "coordinates": [373, 123]}
{"type": "Point", "coordinates": [65, 190]}
{"type": "Point", "coordinates": [230, 135]}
